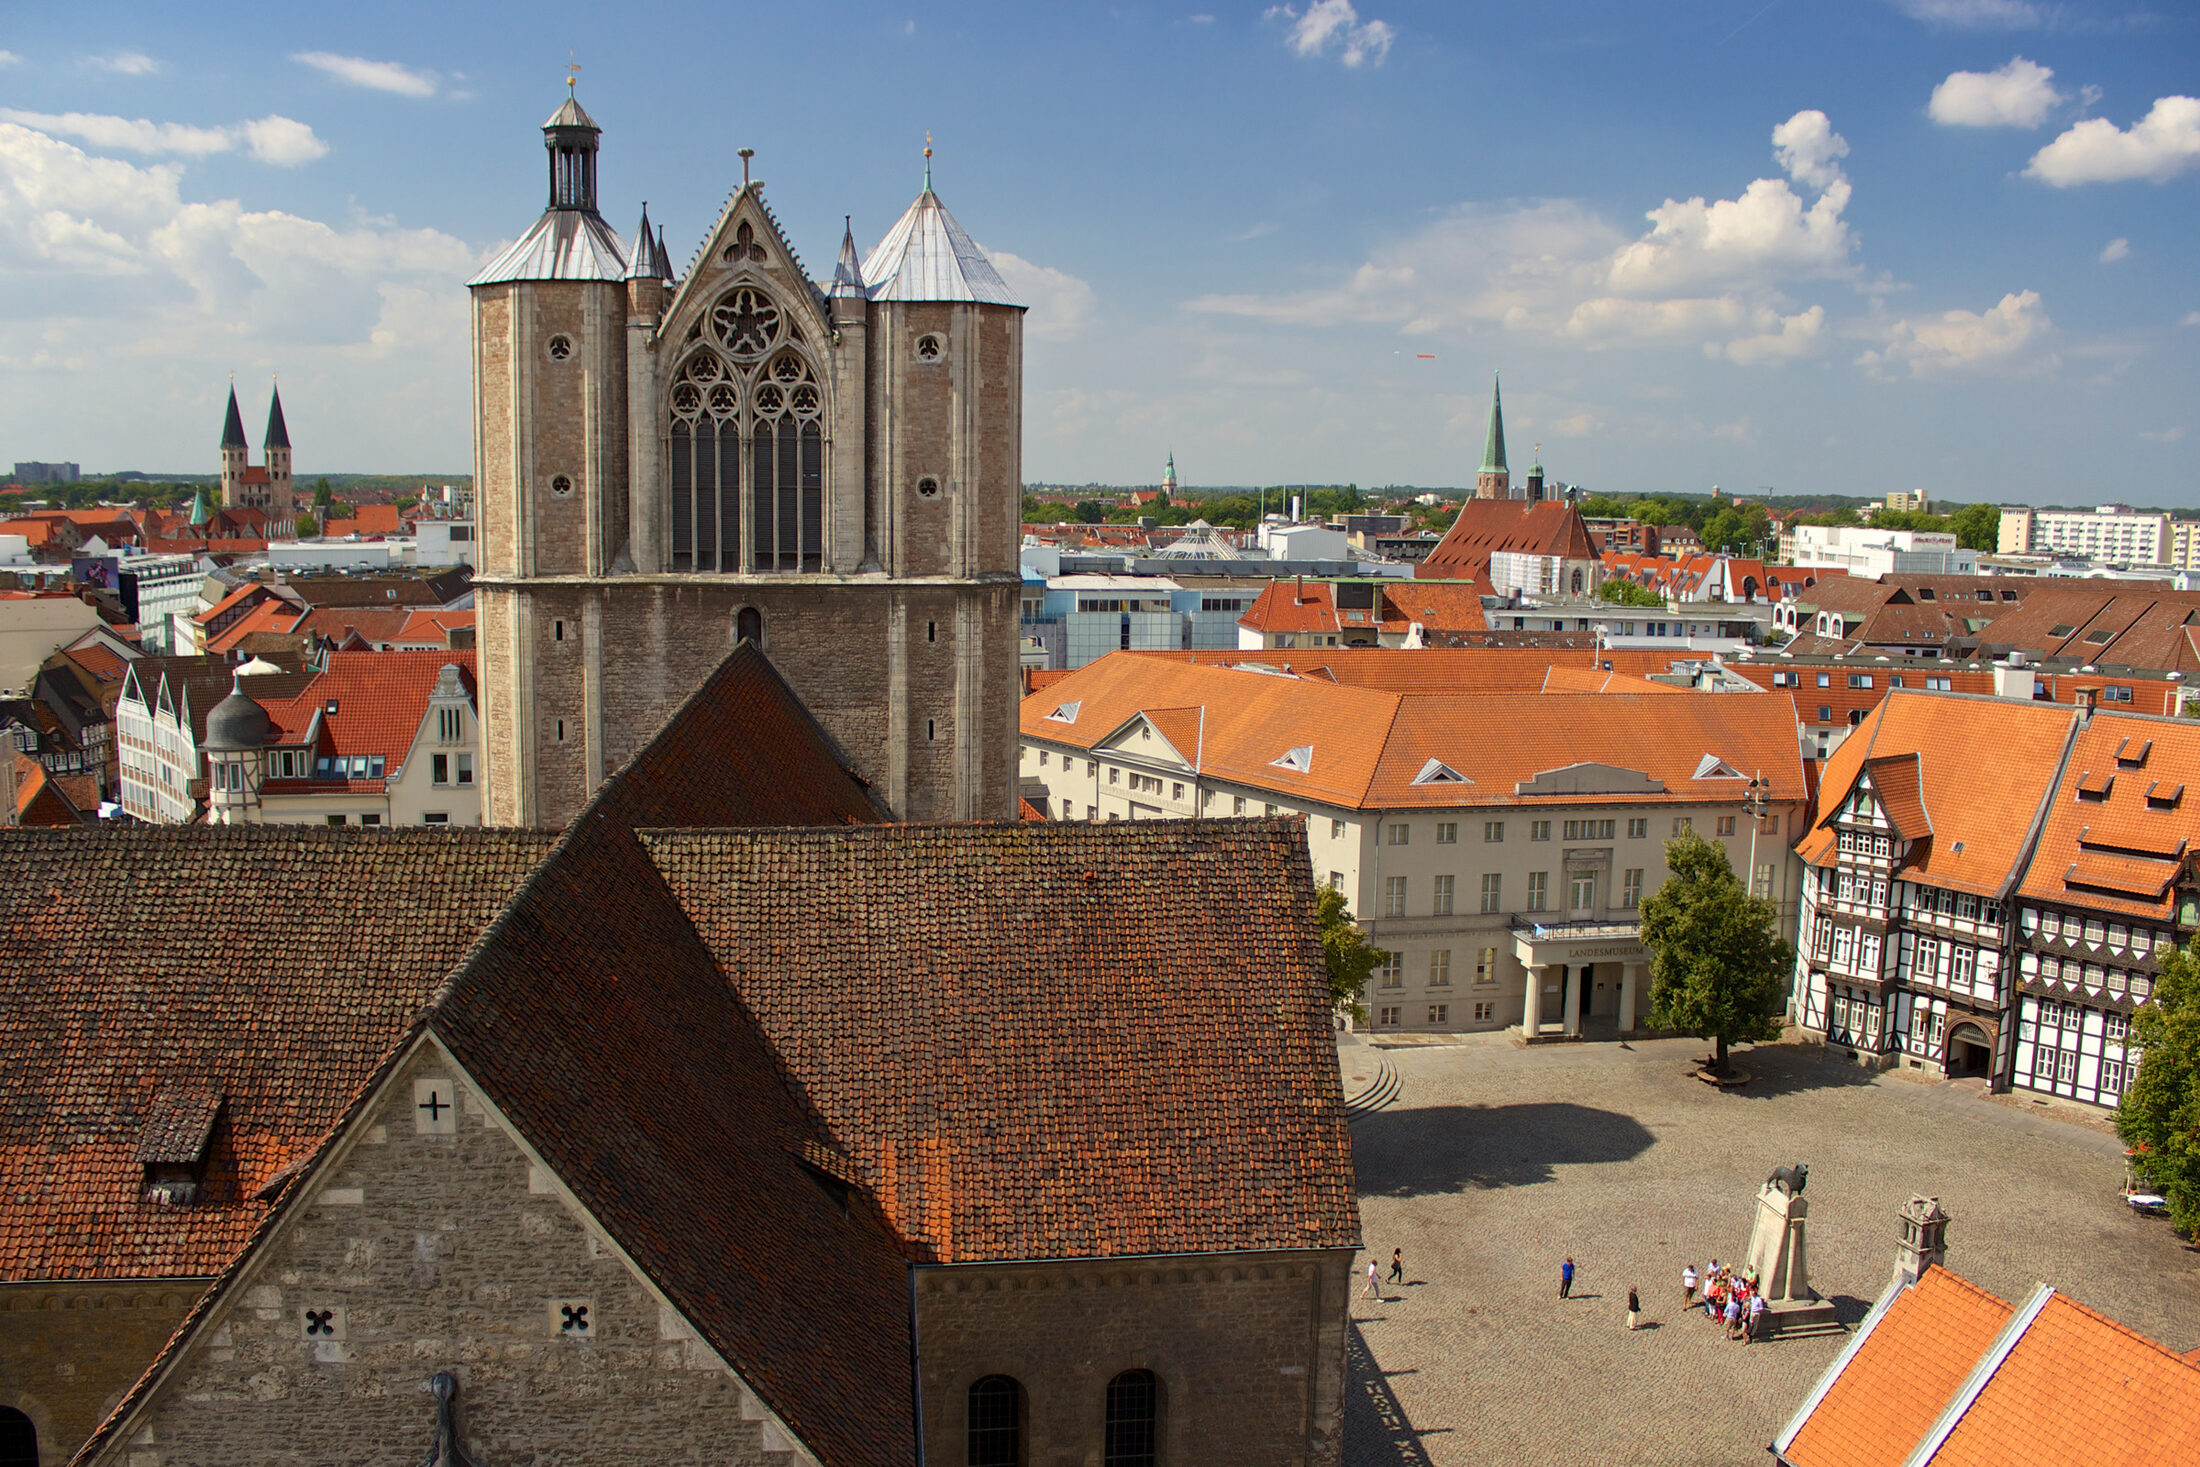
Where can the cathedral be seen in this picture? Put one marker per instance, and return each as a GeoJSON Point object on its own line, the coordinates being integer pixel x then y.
{"type": "Point", "coordinates": [666, 466]}
{"type": "Point", "coordinates": [245, 486]}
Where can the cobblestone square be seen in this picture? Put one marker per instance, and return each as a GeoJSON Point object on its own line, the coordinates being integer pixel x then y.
{"type": "Point", "coordinates": [1495, 1163]}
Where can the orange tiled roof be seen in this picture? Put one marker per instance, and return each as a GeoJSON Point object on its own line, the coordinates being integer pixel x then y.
{"type": "Point", "coordinates": [1597, 680]}
{"type": "Point", "coordinates": [380, 700]}
{"type": "Point", "coordinates": [1433, 669]}
{"type": "Point", "coordinates": [1370, 747]}
{"type": "Point", "coordinates": [1486, 526]}
{"type": "Point", "coordinates": [1893, 1389]}
{"type": "Point", "coordinates": [1292, 606]}
{"type": "Point", "coordinates": [2121, 853]}
{"type": "Point", "coordinates": [2067, 1387]}
{"type": "Point", "coordinates": [1980, 833]}
{"type": "Point", "coordinates": [1447, 606]}
{"type": "Point", "coordinates": [269, 616]}
{"type": "Point", "coordinates": [100, 662]}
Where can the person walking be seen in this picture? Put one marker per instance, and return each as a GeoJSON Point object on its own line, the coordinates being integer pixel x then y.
{"type": "Point", "coordinates": [1374, 1279]}
{"type": "Point", "coordinates": [1756, 1319]}
{"type": "Point", "coordinates": [1634, 1307]}
{"type": "Point", "coordinates": [1398, 1265]}
{"type": "Point", "coordinates": [1566, 1279]}
{"type": "Point", "coordinates": [1733, 1317]}
{"type": "Point", "coordinates": [1688, 1286]}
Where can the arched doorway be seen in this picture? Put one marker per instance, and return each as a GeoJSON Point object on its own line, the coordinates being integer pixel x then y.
{"type": "Point", "coordinates": [1970, 1051]}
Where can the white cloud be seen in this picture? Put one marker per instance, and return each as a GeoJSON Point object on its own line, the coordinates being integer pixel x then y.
{"type": "Point", "coordinates": [1707, 274]}
{"type": "Point", "coordinates": [2191, 318]}
{"type": "Point", "coordinates": [1061, 304]}
{"type": "Point", "coordinates": [1202, 18]}
{"type": "Point", "coordinates": [2020, 94]}
{"type": "Point", "coordinates": [9, 58]}
{"type": "Point", "coordinates": [2166, 435]}
{"type": "Point", "coordinates": [2003, 337]}
{"type": "Point", "coordinates": [2012, 15]}
{"type": "Point", "coordinates": [1577, 425]}
{"type": "Point", "coordinates": [128, 63]}
{"type": "Point", "coordinates": [1767, 232]}
{"type": "Point", "coordinates": [122, 278]}
{"type": "Point", "coordinates": [377, 76]}
{"type": "Point", "coordinates": [2114, 250]}
{"type": "Point", "coordinates": [272, 139]}
{"type": "Point", "coordinates": [2159, 146]}
{"type": "Point", "coordinates": [1333, 25]}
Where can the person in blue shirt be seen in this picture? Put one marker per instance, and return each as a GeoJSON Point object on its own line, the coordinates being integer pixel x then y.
{"type": "Point", "coordinates": [1566, 1279]}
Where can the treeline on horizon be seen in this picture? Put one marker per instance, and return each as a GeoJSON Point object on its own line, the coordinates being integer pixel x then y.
{"type": "Point", "coordinates": [174, 491]}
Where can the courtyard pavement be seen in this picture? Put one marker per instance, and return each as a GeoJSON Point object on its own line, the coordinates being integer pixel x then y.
{"type": "Point", "coordinates": [1496, 1162]}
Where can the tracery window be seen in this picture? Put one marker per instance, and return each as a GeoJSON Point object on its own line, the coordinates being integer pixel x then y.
{"type": "Point", "coordinates": [996, 1422]}
{"type": "Point", "coordinates": [747, 445]}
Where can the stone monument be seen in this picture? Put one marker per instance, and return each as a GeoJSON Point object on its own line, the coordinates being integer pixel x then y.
{"type": "Point", "coordinates": [1779, 1254]}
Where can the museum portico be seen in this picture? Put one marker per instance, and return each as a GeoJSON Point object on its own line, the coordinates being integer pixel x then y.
{"type": "Point", "coordinates": [1579, 970]}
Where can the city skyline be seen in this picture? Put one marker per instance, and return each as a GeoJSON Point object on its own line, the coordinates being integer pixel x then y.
{"type": "Point", "coordinates": [1924, 243]}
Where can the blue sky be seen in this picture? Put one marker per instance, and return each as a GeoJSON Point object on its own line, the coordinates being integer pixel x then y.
{"type": "Point", "coordinates": [1823, 247]}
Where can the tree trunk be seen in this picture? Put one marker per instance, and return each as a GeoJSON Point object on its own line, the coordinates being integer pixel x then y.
{"type": "Point", "coordinates": [1718, 1063]}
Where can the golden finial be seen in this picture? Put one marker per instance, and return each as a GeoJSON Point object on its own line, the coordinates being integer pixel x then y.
{"type": "Point", "coordinates": [572, 70]}
{"type": "Point", "coordinates": [928, 160]}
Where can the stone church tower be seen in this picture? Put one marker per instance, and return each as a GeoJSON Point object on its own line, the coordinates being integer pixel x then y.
{"type": "Point", "coordinates": [665, 466]}
{"type": "Point", "coordinates": [266, 488]}
{"type": "Point", "coordinates": [1494, 481]}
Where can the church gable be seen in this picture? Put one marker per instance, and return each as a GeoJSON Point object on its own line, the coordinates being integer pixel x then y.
{"type": "Point", "coordinates": [745, 248]}
{"type": "Point", "coordinates": [430, 1238]}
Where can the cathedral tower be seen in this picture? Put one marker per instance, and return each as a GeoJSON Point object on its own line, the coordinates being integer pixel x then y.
{"type": "Point", "coordinates": [666, 466]}
{"type": "Point", "coordinates": [281, 500]}
{"type": "Point", "coordinates": [235, 454]}
{"type": "Point", "coordinates": [1495, 480]}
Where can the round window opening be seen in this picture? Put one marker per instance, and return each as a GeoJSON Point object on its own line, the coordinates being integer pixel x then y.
{"type": "Point", "coordinates": [928, 487]}
{"type": "Point", "coordinates": [931, 348]}
{"type": "Point", "coordinates": [560, 348]}
{"type": "Point", "coordinates": [561, 486]}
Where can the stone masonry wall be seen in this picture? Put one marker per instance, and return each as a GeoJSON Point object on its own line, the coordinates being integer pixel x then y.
{"type": "Point", "coordinates": [69, 1349]}
{"type": "Point", "coordinates": [443, 1252]}
{"type": "Point", "coordinates": [1248, 1347]}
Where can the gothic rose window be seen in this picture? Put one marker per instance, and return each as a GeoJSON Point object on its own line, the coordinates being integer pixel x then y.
{"type": "Point", "coordinates": [747, 445]}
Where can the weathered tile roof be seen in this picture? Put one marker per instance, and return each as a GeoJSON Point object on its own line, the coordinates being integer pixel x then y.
{"type": "Point", "coordinates": [1981, 831]}
{"type": "Point", "coordinates": [1292, 606]}
{"type": "Point", "coordinates": [1428, 669]}
{"type": "Point", "coordinates": [1435, 605]}
{"type": "Point", "coordinates": [1486, 526]}
{"type": "Point", "coordinates": [274, 964]}
{"type": "Point", "coordinates": [991, 1058]}
{"type": "Point", "coordinates": [380, 700]}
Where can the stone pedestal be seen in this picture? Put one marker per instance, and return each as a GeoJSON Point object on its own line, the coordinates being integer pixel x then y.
{"type": "Point", "coordinates": [1779, 1252]}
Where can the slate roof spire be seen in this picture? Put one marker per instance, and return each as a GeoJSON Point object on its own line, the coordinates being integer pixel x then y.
{"type": "Point", "coordinates": [278, 432]}
{"type": "Point", "coordinates": [928, 256]}
{"type": "Point", "coordinates": [1493, 447]}
{"type": "Point", "coordinates": [646, 262]}
{"type": "Point", "coordinates": [233, 428]}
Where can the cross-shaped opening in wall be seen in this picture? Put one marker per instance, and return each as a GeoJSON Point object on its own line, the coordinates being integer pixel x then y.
{"type": "Point", "coordinates": [574, 1318]}
{"type": "Point", "coordinates": [435, 1105]}
{"type": "Point", "coordinates": [320, 1322]}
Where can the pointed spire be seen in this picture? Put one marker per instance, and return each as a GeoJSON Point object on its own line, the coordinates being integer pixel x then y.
{"type": "Point", "coordinates": [233, 428]}
{"type": "Point", "coordinates": [643, 255]}
{"type": "Point", "coordinates": [198, 506]}
{"type": "Point", "coordinates": [278, 432]}
{"type": "Point", "coordinates": [664, 261]}
{"type": "Point", "coordinates": [1493, 447]}
{"type": "Point", "coordinates": [848, 274]}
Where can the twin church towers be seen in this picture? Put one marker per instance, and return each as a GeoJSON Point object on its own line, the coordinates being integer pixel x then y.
{"type": "Point", "coordinates": [666, 464]}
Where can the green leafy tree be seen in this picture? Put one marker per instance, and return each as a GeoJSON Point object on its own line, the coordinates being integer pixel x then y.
{"type": "Point", "coordinates": [322, 497]}
{"type": "Point", "coordinates": [1977, 527]}
{"type": "Point", "coordinates": [1346, 950]}
{"type": "Point", "coordinates": [1090, 512]}
{"type": "Point", "coordinates": [2160, 1113]}
{"type": "Point", "coordinates": [307, 527]}
{"type": "Point", "coordinates": [1627, 593]}
{"type": "Point", "coordinates": [1718, 967]}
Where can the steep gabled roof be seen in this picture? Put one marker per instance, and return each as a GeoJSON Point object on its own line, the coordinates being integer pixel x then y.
{"type": "Point", "coordinates": [233, 425]}
{"type": "Point", "coordinates": [278, 432]}
{"type": "Point", "coordinates": [2122, 852]}
{"type": "Point", "coordinates": [1486, 526]}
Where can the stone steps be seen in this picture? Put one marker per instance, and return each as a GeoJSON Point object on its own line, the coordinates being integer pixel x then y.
{"type": "Point", "coordinates": [1380, 1091]}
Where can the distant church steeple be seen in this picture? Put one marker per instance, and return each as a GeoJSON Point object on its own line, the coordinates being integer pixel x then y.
{"type": "Point", "coordinates": [1495, 479]}
{"type": "Point", "coordinates": [1168, 477]}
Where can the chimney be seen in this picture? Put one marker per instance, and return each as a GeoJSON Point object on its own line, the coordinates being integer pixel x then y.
{"type": "Point", "coordinates": [1923, 1239]}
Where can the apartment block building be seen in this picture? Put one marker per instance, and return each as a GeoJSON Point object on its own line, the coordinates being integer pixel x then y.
{"type": "Point", "coordinates": [1497, 843]}
{"type": "Point", "coordinates": [2111, 533]}
{"type": "Point", "coordinates": [2001, 924]}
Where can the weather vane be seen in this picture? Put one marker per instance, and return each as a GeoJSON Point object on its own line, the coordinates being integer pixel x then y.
{"type": "Point", "coordinates": [928, 160]}
{"type": "Point", "coordinates": [573, 71]}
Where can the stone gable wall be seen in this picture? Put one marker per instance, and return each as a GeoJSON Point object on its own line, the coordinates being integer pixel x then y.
{"type": "Point", "coordinates": [1248, 1347]}
{"type": "Point", "coordinates": [444, 1252]}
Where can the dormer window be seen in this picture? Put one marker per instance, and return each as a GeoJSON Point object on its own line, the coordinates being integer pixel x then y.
{"type": "Point", "coordinates": [173, 1145]}
{"type": "Point", "coordinates": [1065, 712]}
{"type": "Point", "coordinates": [1298, 760]}
{"type": "Point", "coordinates": [2095, 787]}
{"type": "Point", "coordinates": [2132, 753]}
{"type": "Point", "coordinates": [2164, 796]}
{"type": "Point", "coordinates": [1436, 771]}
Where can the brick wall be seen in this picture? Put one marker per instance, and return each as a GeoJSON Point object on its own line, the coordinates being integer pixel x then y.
{"type": "Point", "coordinates": [443, 1252]}
{"type": "Point", "coordinates": [68, 1350]}
{"type": "Point", "coordinates": [1248, 1348]}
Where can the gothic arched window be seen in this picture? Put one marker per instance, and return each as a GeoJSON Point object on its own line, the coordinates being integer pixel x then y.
{"type": "Point", "coordinates": [1133, 1420]}
{"type": "Point", "coordinates": [747, 431]}
{"type": "Point", "coordinates": [748, 626]}
{"type": "Point", "coordinates": [18, 1439]}
{"type": "Point", "coordinates": [996, 1422]}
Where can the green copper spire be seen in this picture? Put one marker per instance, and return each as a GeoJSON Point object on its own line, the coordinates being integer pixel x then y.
{"type": "Point", "coordinates": [1493, 447]}
{"type": "Point", "coordinates": [198, 507]}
